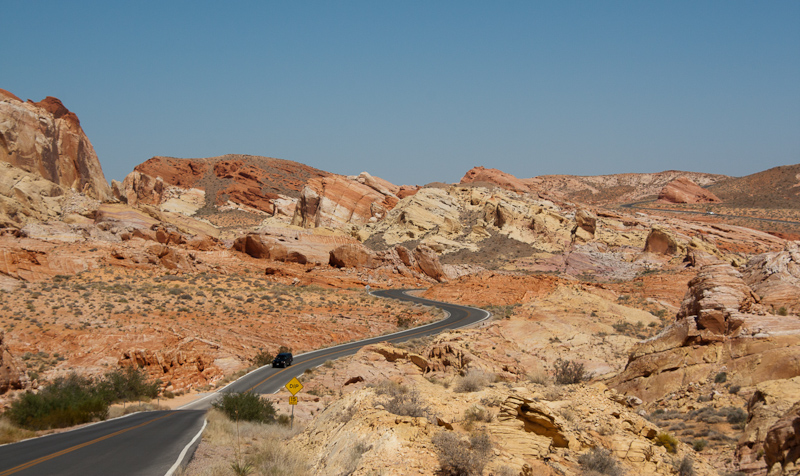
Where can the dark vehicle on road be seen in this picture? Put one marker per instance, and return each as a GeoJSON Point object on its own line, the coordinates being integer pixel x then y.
{"type": "Point", "coordinates": [284, 359]}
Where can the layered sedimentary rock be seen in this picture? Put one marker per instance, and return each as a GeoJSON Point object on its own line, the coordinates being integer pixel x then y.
{"type": "Point", "coordinates": [721, 324]}
{"type": "Point", "coordinates": [337, 201]}
{"type": "Point", "coordinates": [46, 139]}
{"type": "Point", "coordinates": [683, 190]}
{"type": "Point", "coordinates": [27, 197]}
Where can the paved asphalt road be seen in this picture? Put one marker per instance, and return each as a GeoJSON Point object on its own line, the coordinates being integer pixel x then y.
{"type": "Point", "coordinates": [149, 443]}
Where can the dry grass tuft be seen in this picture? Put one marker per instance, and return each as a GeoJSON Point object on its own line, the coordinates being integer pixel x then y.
{"type": "Point", "coordinates": [9, 433]}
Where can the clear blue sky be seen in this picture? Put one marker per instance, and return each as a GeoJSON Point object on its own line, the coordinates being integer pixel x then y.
{"type": "Point", "coordinates": [421, 91]}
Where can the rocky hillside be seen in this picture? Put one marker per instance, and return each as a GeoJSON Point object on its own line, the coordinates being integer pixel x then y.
{"type": "Point", "coordinates": [598, 190]}
{"type": "Point", "coordinates": [778, 187]}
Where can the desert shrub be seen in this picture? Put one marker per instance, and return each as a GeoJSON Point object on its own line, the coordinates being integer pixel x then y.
{"type": "Point", "coordinates": [408, 403]}
{"type": "Point", "coordinates": [735, 415]}
{"type": "Point", "coordinates": [667, 441]}
{"type": "Point", "coordinates": [127, 384]}
{"type": "Point", "coordinates": [473, 381]}
{"type": "Point", "coordinates": [734, 389]}
{"type": "Point", "coordinates": [459, 457]}
{"type": "Point", "coordinates": [685, 467]}
{"type": "Point", "coordinates": [782, 311]}
{"type": "Point", "coordinates": [600, 461]}
{"type": "Point", "coordinates": [539, 377]}
{"type": "Point", "coordinates": [568, 372]}
{"type": "Point", "coordinates": [478, 413]}
{"type": "Point", "coordinates": [67, 401]}
{"type": "Point", "coordinates": [246, 406]}
{"type": "Point", "coordinates": [721, 377]}
{"type": "Point", "coordinates": [263, 358]}
{"type": "Point", "coordinates": [699, 445]}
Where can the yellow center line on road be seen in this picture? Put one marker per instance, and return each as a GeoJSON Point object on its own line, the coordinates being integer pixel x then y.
{"type": "Point", "coordinates": [29, 464]}
{"type": "Point", "coordinates": [405, 336]}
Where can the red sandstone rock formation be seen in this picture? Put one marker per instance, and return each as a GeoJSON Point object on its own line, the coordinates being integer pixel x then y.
{"type": "Point", "coordinates": [683, 190]}
{"type": "Point", "coordinates": [776, 278]}
{"type": "Point", "coordinates": [336, 201]}
{"type": "Point", "coordinates": [496, 177]}
{"type": "Point", "coordinates": [45, 138]}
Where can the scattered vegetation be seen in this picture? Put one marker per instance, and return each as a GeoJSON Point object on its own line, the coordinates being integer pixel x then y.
{"type": "Point", "coordinates": [685, 467]}
{"type": "Point", "coordinates": [401, 400]}
{"type": "Point", "coordinates": [721, 377]}
{"type": "Point", "coordinates": [74, 399]}
{"type": "Point", "coordinates": [246, 406]}
{"type": "Point", "coordinates": [667, 441]}
{"type": "Point", "coordinates": [473, 381]}
{"type": "Point", "coordinates": [459, 457]}
{"type": "Point", "coordinates": [568, 372]}
{"type": "Point", "coordinates": [600, 461]}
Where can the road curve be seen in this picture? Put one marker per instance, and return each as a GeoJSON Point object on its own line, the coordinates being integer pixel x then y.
{"type": "Point", "coordinates": [149, 443]}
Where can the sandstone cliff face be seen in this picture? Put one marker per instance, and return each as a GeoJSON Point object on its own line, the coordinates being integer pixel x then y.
{"type": "Point", "coordinates": [337, 201]}
{"type": "Point", "coordinates": [683, 190]}
{"type": "Point", "coordinates": [721, 325]}
{"type": "Point", "coordinates": [27, 198]}
{"type": "Point", "coordinates": [46, 139]}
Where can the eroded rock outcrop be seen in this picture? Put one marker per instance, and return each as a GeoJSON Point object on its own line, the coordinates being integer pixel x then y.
{"type": "Point", "coordinates": [772, 401]}
{"type": "Point", "coordinates": [338, 201]}
{"type": "Point", "coordinates": [11, 375]}
{"type": "Point", "coordinates": [683, 190]}
{"type": "Point", "coordinates": [782, 444]}
{"type": "Point", "coordinates": [46, 139]}
{"type": "Point", "coordinates": [776, 278]}
{"type": "Point", "coordinates": [483, 175]}
{"type": "Point", "coordinates": [720, 324]}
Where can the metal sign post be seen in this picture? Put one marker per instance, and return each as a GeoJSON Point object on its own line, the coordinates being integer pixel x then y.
{"type": "Point", "coordinates": [293, 386]}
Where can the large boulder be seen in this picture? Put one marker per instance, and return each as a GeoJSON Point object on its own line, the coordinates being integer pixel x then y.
{"type": "Point", "coordinates": [46, 139]}
{"type": "Point", "coordinates": [661, 241]}
{"type": "Point", "coordinates": [683, 190]}
{"type": "Point", "coordinates": [782, 444]}
{"type": "Point", "coordinates": [482, 175]}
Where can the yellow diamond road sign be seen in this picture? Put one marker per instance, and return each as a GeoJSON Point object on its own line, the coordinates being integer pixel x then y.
{"type": "Point", "coordinates": [294, 386]}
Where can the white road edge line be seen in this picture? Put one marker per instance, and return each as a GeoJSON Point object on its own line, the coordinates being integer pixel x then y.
{"type": "Point", "coordinates": [186, 449]}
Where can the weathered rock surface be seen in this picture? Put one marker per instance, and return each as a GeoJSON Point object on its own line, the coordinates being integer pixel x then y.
{"type": "Point", "coordinates": [683, 190]}
{"type": "Point", "coordinates": [770, 403]}
{"type": "Point", "coordinates": [11, 377]}
{"type": "Point", "coordinates": [480, 175]}
{"type": "Point", "coordinates": [775, 277]}
{"type": "Point", "coordinates": [27, 198]}
{"type": "Point", "coordinates": [719, 326]}
{"type": "Point", "coordinates": [782, 444]}
{"type": "Point", "coordinates": [46, 139]}
{"type": "Point", "coordinates": [295, 246]}
{"type": "Point", "coordinates": [337, 201]}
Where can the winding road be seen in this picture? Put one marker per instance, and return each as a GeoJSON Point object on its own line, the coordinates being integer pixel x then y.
{"type": "Point", "coordinates": [155, 443]}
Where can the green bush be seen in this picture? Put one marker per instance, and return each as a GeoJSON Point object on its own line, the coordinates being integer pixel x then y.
{"type": "Point", "coordinates": [68, 401]}
{"type": "Point", "coordinates": [246, 406]}
{"type": "Point", "coordinates": [568, 372]}
{"type": "Point", "coordinates": [128, 384]}
{"type": "Point", "coordinates": [736, 416]}
{"type": "Point", "coordinates": [721, 377]}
